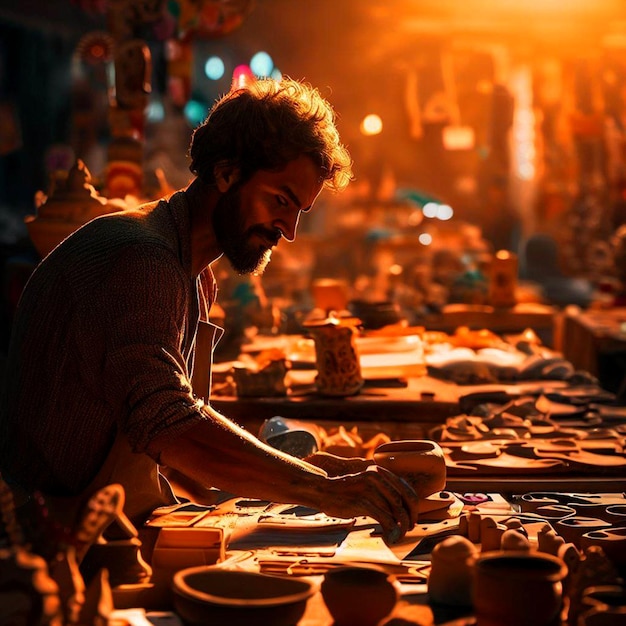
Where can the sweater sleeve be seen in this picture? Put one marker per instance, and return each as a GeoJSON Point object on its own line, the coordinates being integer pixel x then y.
{"type": "Point", "coordinates": [145, 301]}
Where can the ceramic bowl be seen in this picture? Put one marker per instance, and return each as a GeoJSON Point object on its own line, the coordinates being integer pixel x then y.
{"type": "Point", "coordinates": [359, 594]}
{"type": "Point", "coordinates": [574, 527]}
{"type": "Point", "coordinates": [213, 595]}
{"type": "Point", "coordinates": [420, 462]}
{"type": "Point", "coordinates": [612, 540]}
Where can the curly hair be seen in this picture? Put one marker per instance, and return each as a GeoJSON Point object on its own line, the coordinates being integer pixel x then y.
{"type": "Point", "coordinates": [266, 125]}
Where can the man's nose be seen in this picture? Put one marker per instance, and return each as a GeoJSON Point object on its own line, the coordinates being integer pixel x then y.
{"type": "Point", "coordinates": [291, 227]}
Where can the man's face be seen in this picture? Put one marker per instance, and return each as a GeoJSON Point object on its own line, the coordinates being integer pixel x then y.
{"type": "Point", "coordinates": [250, 218]}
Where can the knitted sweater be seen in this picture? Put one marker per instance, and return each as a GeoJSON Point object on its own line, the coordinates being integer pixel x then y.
{"type": "Point", "coordinates": [103, 340]}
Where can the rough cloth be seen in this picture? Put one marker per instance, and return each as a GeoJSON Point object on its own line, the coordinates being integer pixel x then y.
{"type": "Point", "coordinates": [103, 344]}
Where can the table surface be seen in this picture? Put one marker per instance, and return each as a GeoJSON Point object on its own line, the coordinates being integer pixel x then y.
{"type": "Point", "coordinates": [286, 550]}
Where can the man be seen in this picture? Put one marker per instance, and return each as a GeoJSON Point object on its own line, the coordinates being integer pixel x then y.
{"type": "Point", "coordinates": [99, 368]}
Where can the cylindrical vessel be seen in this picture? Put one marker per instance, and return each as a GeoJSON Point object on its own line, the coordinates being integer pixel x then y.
{"type": "Point", "coordinates": [337, 360]}
{"type": "Point", "coordinates": [518, 589]}
{"type": "Point", "coordinates": [503, 279]}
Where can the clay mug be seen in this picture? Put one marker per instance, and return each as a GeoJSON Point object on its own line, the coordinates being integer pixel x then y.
{"type": "Point", "coordinates": [359, 594]}
{"type": "Point", "coordinates": [420, 462]}
{"type": "Point", "coordinates": [518, 589]}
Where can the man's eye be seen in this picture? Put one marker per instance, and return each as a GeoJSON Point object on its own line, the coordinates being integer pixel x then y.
{"type": "Point", "coordinates": [282, 200]}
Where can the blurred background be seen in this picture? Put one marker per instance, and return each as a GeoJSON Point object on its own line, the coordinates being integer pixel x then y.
{"type": "Point", "coordinates": [474, 125]}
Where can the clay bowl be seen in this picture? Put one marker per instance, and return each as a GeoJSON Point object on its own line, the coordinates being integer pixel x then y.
{"type": "Point", "coordinates": [611, 540]}
{"type": "Point", "coordinates": [420, 462]}
{"type": "Point", "coordinates": [552, 512]}
{"type": "Point", "coordinates": [573, 528]}
{"type": "Point", "coordinates": [209, 594]}
{"type": "Point", "coordinates": [616, 513]}
{"type": "Point", "coordinates": [362, 595]}
{"type": "Point", "coordinates": [530, 501]}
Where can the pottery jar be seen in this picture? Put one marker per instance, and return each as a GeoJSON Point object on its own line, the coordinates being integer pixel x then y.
{"type": "Point", "coordinates": [363, 594]}
{"type": "Point", "coordinates": [336, 357]}
{"type": "Point", "coordinates": [420, 462]}
{"type": "Point", "coordinates": [518, 589]}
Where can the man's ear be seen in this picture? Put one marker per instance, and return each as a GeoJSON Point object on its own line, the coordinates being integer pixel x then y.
{"type": "Point", "coordinates": [225, 176]}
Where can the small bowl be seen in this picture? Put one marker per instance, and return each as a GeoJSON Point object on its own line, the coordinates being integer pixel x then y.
{"type": "Point", "coordinates": [574, 527]}
{"type": "Point", "coordinates": [420, 462]}
{"type": "Point", "coordinates": [359, 594]}
{"type": "Point", "coordinates": [213, 595]}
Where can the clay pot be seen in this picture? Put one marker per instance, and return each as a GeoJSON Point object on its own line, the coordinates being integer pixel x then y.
{"type": "Point", "coordinates": [420, 462]}
{"type": "Point", "coordinates": [518, 589]}
{"type": "Point", "coordinates": [361, 595]}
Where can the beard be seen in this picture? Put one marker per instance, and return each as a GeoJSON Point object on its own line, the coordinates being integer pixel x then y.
{"type": "Point", "coordinates": [235, 239]}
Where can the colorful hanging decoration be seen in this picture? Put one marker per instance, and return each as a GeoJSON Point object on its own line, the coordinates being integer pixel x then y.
{"type": "Point", "coordinates": [212, 18]}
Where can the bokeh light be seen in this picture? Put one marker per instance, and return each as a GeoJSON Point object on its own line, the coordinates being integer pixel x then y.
{"type": "Point", "coordinates": [195, 112]}
{"type": "Point", "coordinates": [214, 68]}
{"type": "Point", "coordinates": [262, 64]}
{"type": "Point", "coordinates": [276, 74]}
{"type": "Point", "coordinates": [430, 209]}
{"type": "Point", "coordinates": [155, 111]}
{"type": "Point", "coordinates": [444, 212]}
{"type": "Point", "coordinates": [242, 75]}
{"type": "Point", "coordinates": [371, 124]}
{"type": "Point", "coordinates": [425, 239]}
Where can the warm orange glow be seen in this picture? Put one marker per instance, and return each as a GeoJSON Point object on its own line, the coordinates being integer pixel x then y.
{"type": "Point", "coordinates": [371, 125]}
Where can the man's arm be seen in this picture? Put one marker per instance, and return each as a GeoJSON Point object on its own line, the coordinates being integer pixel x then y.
{"type": "Point", "coordinates": [216, 452]}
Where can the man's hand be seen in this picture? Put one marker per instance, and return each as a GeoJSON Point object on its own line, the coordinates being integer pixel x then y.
{"type": "Point", "coordinates": [375, 493]}
{"type": "Point", "coordinates": [335, 465]}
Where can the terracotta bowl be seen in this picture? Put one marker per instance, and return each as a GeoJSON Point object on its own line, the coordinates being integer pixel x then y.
{"type": "Point", "coordinates": [574, 527]}
{"type": "Point", "coordinates": [612, 540]}
{"type": "Point", "coordinates": [213, 595]}
{"type": "Point", "coordinates": [359, 595]}
{"type": "Point", "coordinates": [420, 462]}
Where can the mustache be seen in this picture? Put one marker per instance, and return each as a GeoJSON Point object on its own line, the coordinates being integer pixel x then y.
{"type": "Point", "coordinates": [273, 235]}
